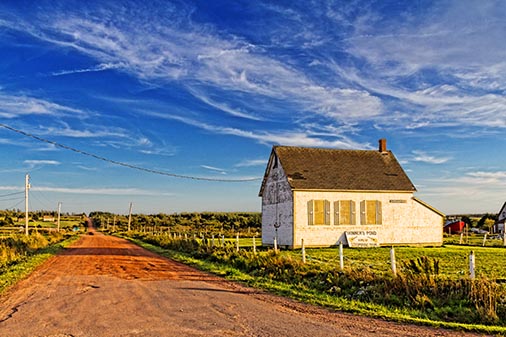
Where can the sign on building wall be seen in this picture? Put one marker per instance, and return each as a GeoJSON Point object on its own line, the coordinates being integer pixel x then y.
{"type": "Point", "coordinates": [362, 239]}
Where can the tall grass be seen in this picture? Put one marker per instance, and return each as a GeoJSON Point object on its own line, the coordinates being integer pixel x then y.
{"type": "Point", "coordinates": [16, 247]}
{"type": "Point", "coordinates": [417, 286]}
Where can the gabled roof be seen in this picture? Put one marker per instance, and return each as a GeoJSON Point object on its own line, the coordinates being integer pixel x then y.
{"type": "Point", "coordinates": [333, 169]}
{"type": "Point", "coordinates": [501, 216]}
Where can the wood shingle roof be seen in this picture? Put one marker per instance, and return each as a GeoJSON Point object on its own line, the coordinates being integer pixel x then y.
{"type": "Point", "coordinates": [333, 169]}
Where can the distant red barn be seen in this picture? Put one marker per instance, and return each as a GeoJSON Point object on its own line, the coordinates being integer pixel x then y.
{"type": "Point", "coordinates": [454, 226]}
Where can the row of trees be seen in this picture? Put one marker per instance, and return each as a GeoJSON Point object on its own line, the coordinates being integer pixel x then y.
{"type": "Point", "coordinates": [207, 222]}
{"type": "Point", "coordinates": [10, 217]}
{"type": "Point", "coordinates": [482, 221]}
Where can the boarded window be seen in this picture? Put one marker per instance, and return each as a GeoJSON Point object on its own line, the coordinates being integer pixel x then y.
{"type": "Point", "coordinates": [344, 212]}
{"type": "Point", "coordinates": [370, 212]}
{"type": "Point", "coordinates": [318, 212]}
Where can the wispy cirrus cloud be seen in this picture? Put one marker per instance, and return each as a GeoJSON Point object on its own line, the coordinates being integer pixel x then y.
{"type": "Point", "coordinates": [445, 65]}
{"type": "Point", "coordinates": [64, 129]}
{"type": "Point", "coordinates": [294, 138]}
{"type": "Point", "coordinates": [97, 68]}
{"type": "Point", "coordinates": [213, 168]}
{"type": "Point", "coordinates": [421, 156]}
{"type": "Point", "coordinates": [33, 163]}
{"type": "Point", "coordinates": [251, 162]}
{"type": "Point", "coordinates": [100, 191]}
{"type": "Point", "coordinates": [194, 54]}
{"type": "Point", "coordinates": [12, 106]}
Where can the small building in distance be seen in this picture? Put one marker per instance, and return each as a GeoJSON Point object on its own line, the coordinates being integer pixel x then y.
{"type": "Point", "coordinates": [501, 220]}
{"type": "Point", "coordinates": [328, 196]}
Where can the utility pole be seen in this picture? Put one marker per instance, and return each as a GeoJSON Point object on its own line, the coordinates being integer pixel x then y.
{"type": "Point", "coordinates": [59, 210]}
{"type": "Point", "coordinates": [27, 187]}
{"type": "Point", "coordinates": [129, 217]}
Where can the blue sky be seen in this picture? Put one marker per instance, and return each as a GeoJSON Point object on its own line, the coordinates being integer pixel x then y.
{"type": "Point", "coordinates": [205, 88]}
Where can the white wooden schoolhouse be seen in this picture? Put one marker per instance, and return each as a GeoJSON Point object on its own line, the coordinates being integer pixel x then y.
{"type": "Point", "coordinates": [328, 196]}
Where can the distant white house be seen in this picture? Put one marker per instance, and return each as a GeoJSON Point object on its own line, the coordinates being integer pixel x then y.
{"type": "Point", "coordinates": [501, 219]}
{"type": "Point", "coordinates": [48, 218]}
{"type": "Point", "coordinates": [325, 196]}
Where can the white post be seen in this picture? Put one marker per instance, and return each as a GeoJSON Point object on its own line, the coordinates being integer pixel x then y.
{"type": "Point", "coordinates": [303, 251]}
{"type": "Point", "coordinates": [58, 221]}
{"type": "Point", "coordinates": [461, 237]}
{"type": "Point", "coordinates": [392, 261]}
{"type": "Point", "coordinates": [471, 265]}
{"type": "Point", "coordinates": [223, 240]}
{"type": "Point", "coordinates": [341, 256]}
{"type": "Point", "coordinates": [254, 245]}
{"type": "Point", "coordinates": [212, 240]}
{"type": "Point", "coordinates": [275, 245]}
{"type": "Point", "coordinates": [484, 239]}
{"type": "Point", "coordinates": [504, 236]}
{"type": "Point", "coordinates": [237, 242]}
{"type": "Point", "coordinates": [27, 187]}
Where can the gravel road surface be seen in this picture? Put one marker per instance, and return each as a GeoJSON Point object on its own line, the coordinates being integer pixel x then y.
{"type": "Point", "coordinates": [106, 286]}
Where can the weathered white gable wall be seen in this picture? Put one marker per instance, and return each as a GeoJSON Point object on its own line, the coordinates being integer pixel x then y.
{"type": "Point", "coordinates": [406, 222]}
{"type": "Point", "coordinates": [277, 206]}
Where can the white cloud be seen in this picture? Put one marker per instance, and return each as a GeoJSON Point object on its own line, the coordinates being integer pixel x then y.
{"type": "Point", "coordinates": [293, 138]}
{"type": "Point", "coordinates": [212, 168]}
{"type": "Point", "coordinates": [251, 162]}
{"type": "Point", "coordinates": [100, 67]}
{"type": "Point", "coordinates": [12, 106]}
{"type": "Point", "coordinates": [66, 130]}
{"type": "Point", "coordinates": [100, 191]}
{"type": "Point", "coordinates": [37, 163]}
{"type": "Point", "coordinates": [420, 156]}
{"type": "Point", "coordinates": [473, 192]}
{"type": "Point", "coordinates": [236, 112]}
{"type": "Point", "coordinates": [157, 50]}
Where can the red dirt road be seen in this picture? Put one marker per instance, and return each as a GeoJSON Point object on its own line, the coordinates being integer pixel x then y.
{"type": "Point", "coordinates": [106, 286]}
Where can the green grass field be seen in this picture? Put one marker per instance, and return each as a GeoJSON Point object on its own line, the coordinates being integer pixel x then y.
{"type": "Point", "coordinates": [453, 259]}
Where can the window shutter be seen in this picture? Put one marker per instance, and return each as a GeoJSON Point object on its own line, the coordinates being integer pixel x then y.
{"type": "Point", "coordinates": [327, 212]}
{"type": "Point", "coordinates": [378, 213]}
{"type": "Point", "coordinates": [352, 213]}
{"type": "Point", "coordinates": [362, 212]}
{"type": "Point", "coordinates": [336, 212]}
{"type": "Point", "coordinates": [310, 212]}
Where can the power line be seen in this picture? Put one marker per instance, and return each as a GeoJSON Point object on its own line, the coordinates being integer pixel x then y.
{"type": "Point", "coordinates": [22, 199]}
{"type": "Point", "coordinates": [115, 162]}
{"type": "Point", "coordinates": [6, 195]}
{"type": "Point", "coordinates": [19, 198]}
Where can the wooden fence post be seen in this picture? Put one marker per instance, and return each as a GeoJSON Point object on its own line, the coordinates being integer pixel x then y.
{"type": "Point", "coordinates": [212, 240]}
{"type": "Point", "coordinates": [275, 245]}
{"type": "Point", "coordinates": [484, 239]}
{"type": "Point", "coordinates": [392, 261]}
{"type": "Point", "coordinates": [461, 237]}
{"type": "Point", "coordinates": [254, 245]}
{"type": "Point", "coordinates": [237, 242]}
{"type": "Point", "coordinates": [471, 265]}
{"type": "Point", "coordinates": [223, 240]}
{"type": "Point", "coordinates": [341, 256]}
{"type": "Point", "coordinates": [303, 251]}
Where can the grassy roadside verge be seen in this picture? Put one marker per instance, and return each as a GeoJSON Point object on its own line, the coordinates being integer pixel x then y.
{"type": "Point", "coordinates": [312, 296]}
{"type": "Point", "coordinates": [11, 274]}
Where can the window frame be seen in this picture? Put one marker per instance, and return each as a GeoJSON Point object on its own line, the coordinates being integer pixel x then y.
{"type": "Point", "coordinates": [311, 212]}
{"type": "Point", "coordinates": [365, 216]}
{"type": "Point", "coordinates": [339, 218]}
